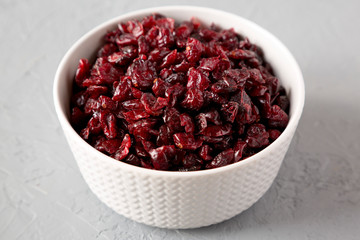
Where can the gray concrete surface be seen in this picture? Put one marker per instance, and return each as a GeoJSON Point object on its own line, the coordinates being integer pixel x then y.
{"type": "Point", "coordinates": [316, 194]}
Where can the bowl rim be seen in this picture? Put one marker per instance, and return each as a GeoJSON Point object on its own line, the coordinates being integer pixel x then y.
{"type": "Point", "coordinates": [64, 121]}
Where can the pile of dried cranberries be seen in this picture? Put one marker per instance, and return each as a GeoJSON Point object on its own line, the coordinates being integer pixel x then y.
{"type": "Point", "coordinates": [177, 96]}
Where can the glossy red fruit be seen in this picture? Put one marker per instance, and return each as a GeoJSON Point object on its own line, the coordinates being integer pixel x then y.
{"type": "Point", "coordinates": [205, 152]}
{"type": "Point", "coordinates": [172, 119]}
{"type": "Point", "coordinates": [194, 99]}
{"type": "Point", "coordinates": [209, 64]}
{"type": "Point", "coordinates": [273, 134]}
{"type": "Point", "coordinates": [123, 57]}
{"type": "Point", "coordinates": [196, 79]}
{"type": "Point", "coordinates": [169, 59]}
{"type": "Point", "coordinates": [123, 150]}
{"type": "Point", "coordinates": [177, 96]}
{"type": "Point", "coordinates": [230, 111]}
{"type": "Point", "coordinates": [133, 160]}
{"type": "Point", "coordinates": [277, 118]}
{"type": "Point", "coordinates": [222, 159]}
{"type": "Point", "coordinates": [109, 146]}
{"type": "Point", "coordinates": [122, 89]}
{"type": "Point", "coordinates": [82, 72]}
{"type": "Point", "coordinates": [165, 136]}
{"type": "Point", "coordinates": [142, 74]}
{"type": "Point", "coordinates": [107, 50]}
{"type": "Point", "coordinates": [161, 157]}
{"type": "Point", "coordinates": [186, 141]}
{"type": "Point", "coordinates": [257, 136]}
{"type": "Point", "coordinates": [187, 122]}
{"type": "Point", "coordinates": [191, 162]}
{"type": "Point", "coordinates": [194, 49]}
{"type": "Point", "coordinates": [239, 149]}
{"type": "Point", "coordinates": [217, 130]}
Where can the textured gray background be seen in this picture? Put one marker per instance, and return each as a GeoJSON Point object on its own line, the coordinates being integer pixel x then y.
{"type": "Point", "coordinates": [316, 194]}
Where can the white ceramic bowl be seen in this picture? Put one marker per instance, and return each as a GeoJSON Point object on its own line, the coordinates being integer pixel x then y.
{"type": "Point", "coordinates": [181, 199]}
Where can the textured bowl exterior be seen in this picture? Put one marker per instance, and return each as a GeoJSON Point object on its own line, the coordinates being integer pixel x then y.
{"type": "Point", "coordinates": [178, 202]}
{"type": "Point", "coordinates": [181, 199]}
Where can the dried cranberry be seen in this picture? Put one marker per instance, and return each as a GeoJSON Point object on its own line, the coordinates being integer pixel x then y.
{"type": "Point", "coordinates": [143, 45]}
{"type": "Point", "coordinates": [126, 40]}
{"type": "Point", "coordinates": [108, 124]}
{"type": "Point", "coordinates": [92, 106]}
{"type": "Point", "coordinates": [184, 31]}
{"type": "Point", "coordinates": [224, 86]}
{"type": "Point", "coordinates": [82, 71]}
{"type": "Point", "coordinates": [258, 90]}
{"type": "Point", "coordinates": [159, 87]}
{"type": "Point", "coordinates": [158, 54]}
{"type": "Point", "coordinates": [238, 150]}
{"type": "Point", "coordinates": [107, 145]}
{"type": "Point", "coordinates": [133, 160]}
{"type": "Point", "coordinates": [210, 97]}
{"type": "Point", "coordinates": [257, 136]}
{"type": "Point", "coordinates": [186, 141]}
{"type": "Point", "coordinates": [283, 102]}
{"type": "Point", "coordinates": [102, 72]}
{"type": "Point", "coordinates": [135, 27]}
{"type": "Point", "coordinates": [172, 119]}
{"type": "Point", "coordinates": [217, 130]}
{"type": "Point", "coordinates": [107, 50]}
{"type": "Point", "coordinates": [240, 54]}
{"type": "Point", "coordinates": [230, 111]}
{"type": "Point", "coordinates": [224, 158]}
{"type": "Point", "coordinates": [95, 91]}
{"type": "Point", "coordinates": [123, 150]}
{"type": "Point", "coordinates": [165, 38]}
{"type": "Point", "coordinates": [135, 115]}
{"type": "Point", "coordinates": [147, 123]}
{"type": "Point", "coordinates": [132, 104]}
{"type": "Point", "coordinates": [191, 162]}
{"type": "Point", "coordinates": [136, 93]}
{"type": "Point", "coordinates": [140, 151]}
{"type": "Point", "coordinates": [209, 64]}
{"type": "Point", "coordinates": [208, 34]}
{"type": "Point", "coordinates": [161, 157]}
{"type": "Point", "coordinates": [78, 118]}
{"type": "Point", "coordinates": [165, 136]}
{"type": "Point", "coordinates": [238, 75]}
{"type": "Point", "coordinates": [194, 99]}
{"type": "Point", "coordinates": [148, 22]}
{"type": "Point", "coordinates": [107, 103]}
{"type": "Point", "coordinates": [278, 118]}
{"type": "Point", "coordinates": [196, 79]}
{"type": "Point", "coordinates": [122, 89]}
{"type": "Point", "coordinates": [272, 83]}
{"type": "Point", "coordinates": [164, 22]}
{"type": "Point", "coordinates": [273, 134]}
{"type": "Point", "coordinates": [124, 57]}
{"type": "Point", "coordinates": [177, 96]}
{"type": "Point", "coordinates": [194, 49]}
{"type": "Point", "coordinates": [175, 78]}
{"type": "Point", "coordinates": [205, 152]}
{"type": "Point", "coordinates": [211, 116]}
{"type": "Point", "coordinates": [142, 74]}
{"type": "Point", "coordinates": [174, 93]}
{"type": "Point", "coordinates": [224, 144]}
{"type": "Point", "coordinates": [187, 122]}
{"type": "Point", "coordinates": [151, 105]}
{"type": "Point", "coordinates": [229, 39]}
{"type": "Point", "coordinates": [182, 67]}
{"type": "Point", "coordinates": [245, 106]}
{"type": "Point", "coordinates": [169, 59]}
